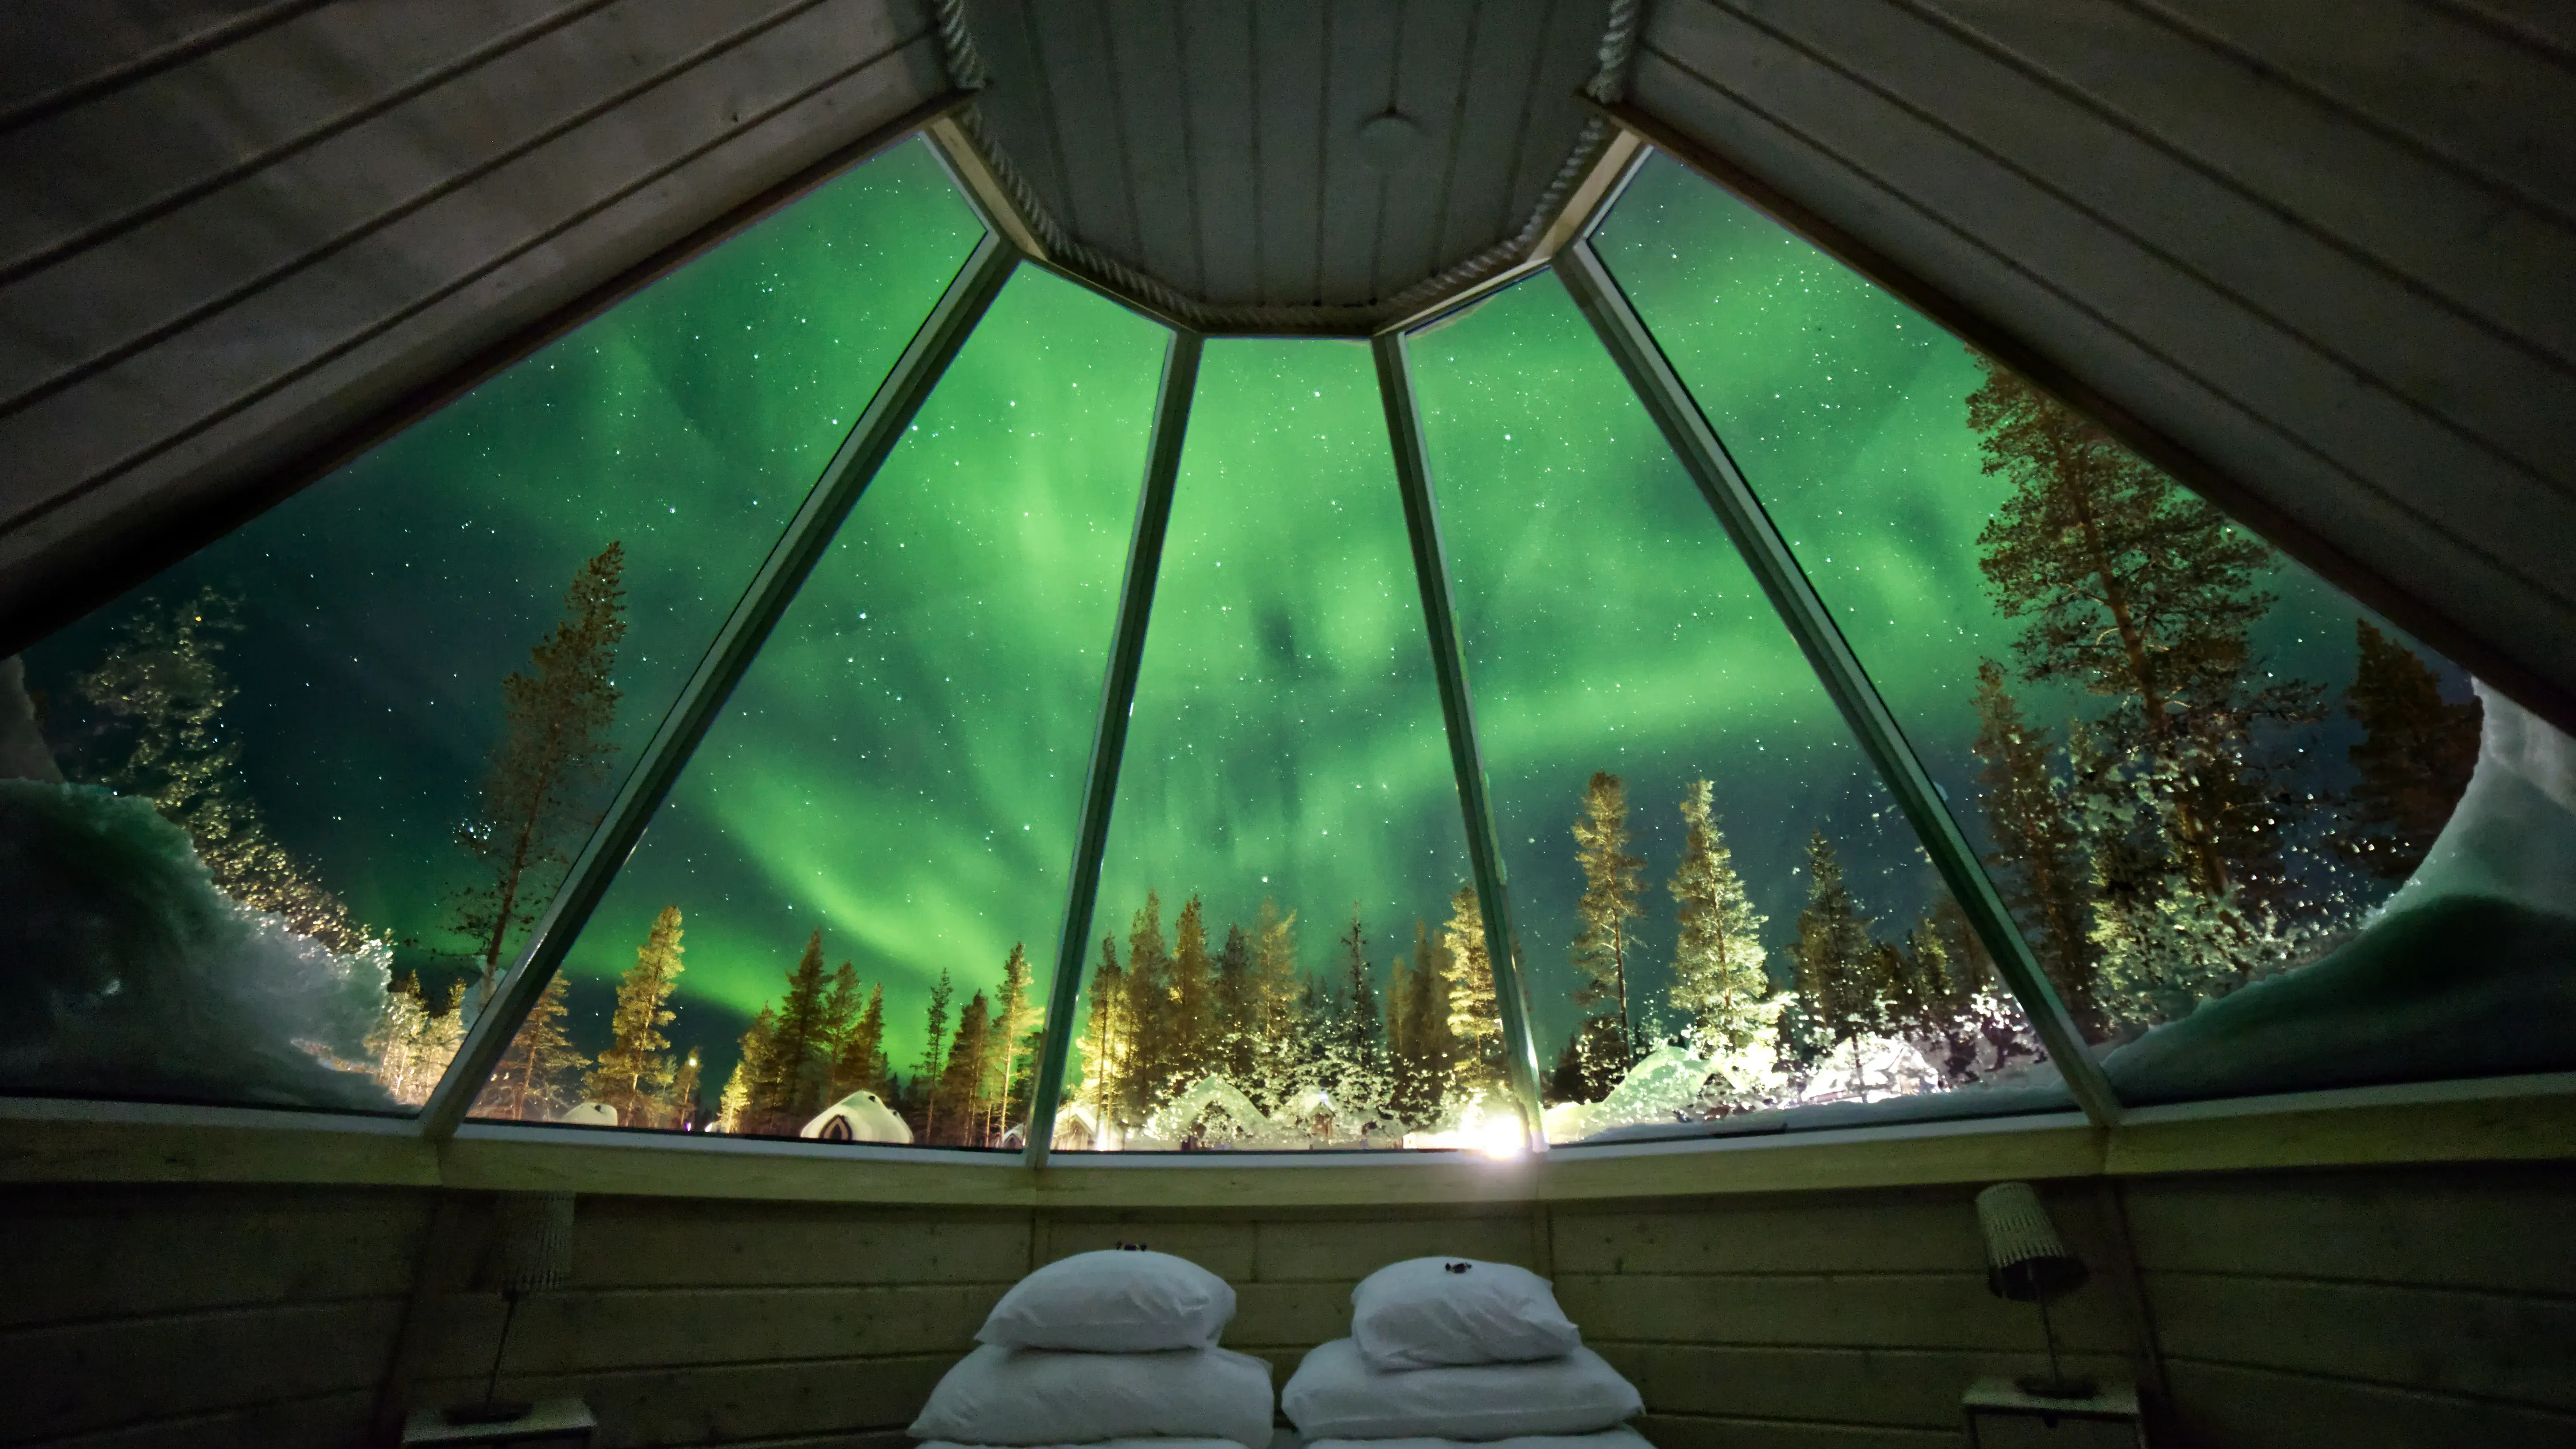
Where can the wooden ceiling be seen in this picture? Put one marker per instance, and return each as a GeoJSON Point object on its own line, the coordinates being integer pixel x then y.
{"type": "Point", "coordinates": [1248, 166]}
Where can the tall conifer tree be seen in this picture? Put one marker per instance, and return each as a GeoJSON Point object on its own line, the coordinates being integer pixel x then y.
{"type": "Point", "coordinates": [1105, 1039]}
{"type": "Point", "coordinates": [1835, 954]}
{"type": "Point", "coordinates": [860, 1062]}
{"type": "Point", "coordinates": [1153, 1029]}
{"type": "Point", "coordinates": [735, 1110]}
{"type": "Point", "coordinates": [1012, 1014]}
{"type": "Point", "coordinates": [959, 1096]}
{"type": "Point", "coordinates": [1475, 1018]}
{"type": "Point", "coordinates": [1719, 985]}
{"type": "Point", "coordinates": [2414, 756]}
{"type": "Point", "coordinates": [634, 1074]}
{"type": "Point", "coordinates": [534, 1079]}
{"type": "Point", "coordinates": [1608, 904]}
{"type": "Point", "coordinates": [545, 772]}
{"type": "Point", "coordinates": [1238, 1008]}
{"type": "Point", "coordinates": [934, 1054]}
{"type": "Point", "coordinates": [789, 1089]}
{"type": "Point", "coordinates": [2038, 857]}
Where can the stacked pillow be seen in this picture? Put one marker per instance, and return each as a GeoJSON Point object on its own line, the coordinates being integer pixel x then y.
{"type": "Point", "coordinates": [1103, 1349]}
{"type": "Point", "coordinates": [1449, 1349]}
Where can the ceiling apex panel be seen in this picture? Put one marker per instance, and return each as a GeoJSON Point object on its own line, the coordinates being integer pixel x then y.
{"type": "Point", "coordinates": [1319, 167]}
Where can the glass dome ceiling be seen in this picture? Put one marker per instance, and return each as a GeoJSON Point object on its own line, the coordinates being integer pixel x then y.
{"type": "Point", "coordinates": [864, 688]}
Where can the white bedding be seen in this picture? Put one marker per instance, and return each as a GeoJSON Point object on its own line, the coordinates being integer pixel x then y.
{"type": "Point", "coordinates": [1622, 1437]}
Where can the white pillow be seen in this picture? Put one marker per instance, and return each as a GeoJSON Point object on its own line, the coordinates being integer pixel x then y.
{"type": "Point", "coordinates": [1219, 1444]}
{"type": "Point", "coordinates": [999, 1395]}
{"type": "Point", "coordinates": [1337, 1394]}
{"type": "Point", "coordinates": [1427, 1311]}
{"type": "Point", "coordinates": [1117, 1300]}
{"type": "Point", "coordinates": [1620, 1438]}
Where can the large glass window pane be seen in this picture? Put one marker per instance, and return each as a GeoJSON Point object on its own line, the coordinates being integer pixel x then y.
{"type": "Point", "coordinates": [840, 923]}
{"type": "Point", "coordinates": [275, 815]}
{"type": "Point", "coordinates": [1273, 967]}
{"type": "Point", "coordinates": [2220, 794]}
{"type": "Point", "coordinates": [1721, 909]}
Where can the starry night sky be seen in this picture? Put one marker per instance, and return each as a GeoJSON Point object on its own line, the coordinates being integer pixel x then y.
{"type": "Point", "coordinates": [902, 767]}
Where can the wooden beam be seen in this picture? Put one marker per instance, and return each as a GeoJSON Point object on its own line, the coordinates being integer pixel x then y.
{"type": "Point", "coordinates": [974, 175]}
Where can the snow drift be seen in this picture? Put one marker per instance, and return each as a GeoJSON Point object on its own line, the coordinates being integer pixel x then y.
{"type": "Point", "coordinates": [124, 972]}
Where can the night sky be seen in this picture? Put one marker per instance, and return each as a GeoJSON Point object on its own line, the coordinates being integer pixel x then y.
{"type": "Point", "coordinates": [902, 767]}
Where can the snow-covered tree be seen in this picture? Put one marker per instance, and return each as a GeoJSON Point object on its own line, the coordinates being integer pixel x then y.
{"type": "Point", "coordinates": [1609, 902]}
{"type": "Point", "coordinates": [1719, 985]}
{"type": "Point", "coordinates": [1835, 953]}
{"type": "Point", "coordinates": [537, 1074]}
{"type": "Point", "coordinates": [1475, 1019]}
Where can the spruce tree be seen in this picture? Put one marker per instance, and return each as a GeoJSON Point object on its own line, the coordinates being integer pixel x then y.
{"type": "Point", "coordinates": [162, 687]}
{"type": "Point", "coordinates": [684, 1094]}
{"type": "Point", "coordinates": [2414, 756]}
{"type": "Point", "coordinates": [1193, 1015]}
{"type": "Point", "coordinates": [634, 1074]}
{"type": "Point", "coordinates": [1475, 1018]}
{"type": "Point", "coordinates": [1105, 1037]}
{"type": "Point", "coordinates": [1279, 1052]}
{"type": "Point", "coordinates": [934, 1054]}
{"type": "Point", "coordinates": [1424, 1051]}
{"type": "Point", "coordinates": [789, 1088]}
{"type": "Point", "coordinates": [539, 792]}
{"type": "Point", "coordinates": [2038, 855]}
{"type": "Point", "coordinates": [859, 1064]}
{"type": "Point", "coordinates": [1835, 954]}
{"type": "Point", "coordinates": [1361, 1084]}
{"type": "Point", "coordinates": [1152, 1030]}
{"type": "Point", "coordinates": [959, 1096]}
{"type": "Point", "coordinates": [735, 1110]}
{"type": "Point", "coordinates": [531, 1081]}
{"type": "Point", "coordinates": [1238, 1006]}
{"type": "Point", "coordinates": [413, 1040]}
{"type": "Point", "coordinates": [1608, 904]}
{"type": "Point", "coordinates": [1719, 986]}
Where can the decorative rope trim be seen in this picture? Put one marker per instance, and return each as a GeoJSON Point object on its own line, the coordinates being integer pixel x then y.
{"type": "Point", "coordinates": [1609, 83]}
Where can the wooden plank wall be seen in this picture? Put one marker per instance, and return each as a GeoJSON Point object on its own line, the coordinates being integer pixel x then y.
{"type": "Point", "coordinates": [1826, 1321]}
{"type": "Point", "coordinates": [2364, 1310]}
{"type": "Point", "coordinates": [2324, 245]}
{"type": "Point", "coordinates": [160, 1318]}
{"type": "Point", "coordinates": [269, 226]}
{"type": "Point", "coordinates": [2339, 1309]}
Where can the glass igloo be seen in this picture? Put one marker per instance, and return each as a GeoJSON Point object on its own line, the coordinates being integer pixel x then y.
{"type": "Point", "coordinates": [871, 687]}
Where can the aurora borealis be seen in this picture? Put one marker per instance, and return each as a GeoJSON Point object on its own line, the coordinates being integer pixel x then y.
{"type": "Point", "coordinates": [902, 766]}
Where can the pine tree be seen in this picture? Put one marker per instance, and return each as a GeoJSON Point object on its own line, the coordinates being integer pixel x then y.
{"type": "Point", "coordinates": [1475, 1019]}
{"type": "Point", "coordinates": [163, 684]}
{"type": "Point", "coordinates": [1835, 953]}
{"type": "Point", "coordinates": [1152, 1031]}
{"type": "Point", "coordinates": [735, 1111]}
{"type": "Point", "coordinates": [1719, 985]}
{"type": "Point", "coordinates": [2414, 756]}
{"type": "Point", "coordinates": [2138, 592]}
{"type": "Point", "coordinates": [788, 1090]}
{"type": "Point", "coordinates": [1608, 903]}
{"type": "Point", "coordinates": [840, 1018]}
{"type": "Point", "coordinates": [552, 758]}
{"type": "Point", "coordinates": [1013, 1016]}
{"type": "Point", "coordinates": [1278, 1055]}
{"type": "Point", "coordinates": [1193, 1016]}
{"type": "Point", "coordinates": [530, 1081]}
{"type": "Point", "coordinates": [2038, 858]}
{"type": "Point", "coordinates": [634, 1074]}
{"type": "Point", "coordinates": [934, 1054]}
{"type": "Point", "coordinates": [1590, 1066]}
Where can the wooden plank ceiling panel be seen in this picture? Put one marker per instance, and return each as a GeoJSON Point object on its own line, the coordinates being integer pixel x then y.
{"type": "Point", "coordinates": [1435, 51]}
{"type": "Point", "coordinates": [1222, 82]}
{"type": "Point", "coordinates": [2245, 332]}
{"type": "Point", "coordinates": [1214, 162]}
{"type": "Point", "coordinates": [2482, 250]}
{"type": "Point", "coordinates": [1146, 84]}
{"type": "Point", "coordinates": [48, 65]}
{"type": "Point", "coordinates": [1359, 83]}
{"type": "Point", "coordinates": [235, 346]}
{"type": "Point", "coordinates": [1288, 43]}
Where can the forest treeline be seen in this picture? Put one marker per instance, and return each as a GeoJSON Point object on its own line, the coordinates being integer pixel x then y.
{"type": "Point", "coordinates": [2170, 840]}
